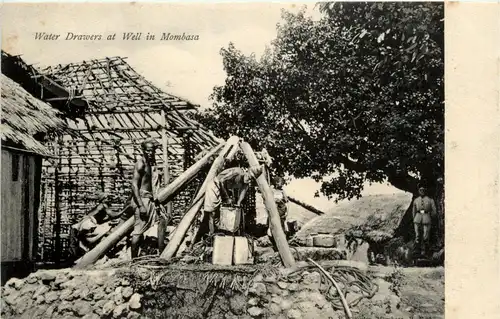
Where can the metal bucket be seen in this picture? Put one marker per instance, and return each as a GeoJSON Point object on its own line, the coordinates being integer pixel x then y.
{"type": "Point", "coordinates": [230, 218]}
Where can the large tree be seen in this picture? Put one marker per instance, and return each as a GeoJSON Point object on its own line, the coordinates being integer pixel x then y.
{"type": "Point", "coordinates": [356, 96]}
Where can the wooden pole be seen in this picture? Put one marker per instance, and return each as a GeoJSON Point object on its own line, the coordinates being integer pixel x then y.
{"type": "Point", "coordinates": [57, 208]}
{"type": "Point", "coordinates": [107, 243]}
{"type": "Point", "coordinates": [124, 229]}
{"type": "Point", "coordinates": [165, 193]}
{"type": "Point", "coordinates": [306, 206]}
{"type": "Point", "coordinates": [186, 221]}
{"type": "Point", "coordinates": [274, 217]}
{"type": "Point", "coordinates": [166, 177]}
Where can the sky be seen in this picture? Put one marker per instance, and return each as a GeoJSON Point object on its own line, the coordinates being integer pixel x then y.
{"type": "Point", "coordinates": [187, 69]}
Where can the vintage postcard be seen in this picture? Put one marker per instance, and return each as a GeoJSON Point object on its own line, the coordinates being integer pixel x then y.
{"type": "Point", "coordinates": [250, 160]}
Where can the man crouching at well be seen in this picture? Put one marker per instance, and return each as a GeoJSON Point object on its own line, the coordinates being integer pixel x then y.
{"type": "Point", "coordinates": [142, 193]}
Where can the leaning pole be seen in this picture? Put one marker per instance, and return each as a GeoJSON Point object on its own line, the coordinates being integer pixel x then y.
{"type": "Point", "coordinates": [164, 195]}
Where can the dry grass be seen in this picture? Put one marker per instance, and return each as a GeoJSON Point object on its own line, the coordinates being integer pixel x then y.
{"type": "Point", "coordinates": [24, 116]}
{"type": "Point", "coordinates": [377, 212]}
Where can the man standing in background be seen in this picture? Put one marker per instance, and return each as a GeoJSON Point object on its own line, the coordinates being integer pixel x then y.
{"type": "Point", "coordinates": [424, 211]}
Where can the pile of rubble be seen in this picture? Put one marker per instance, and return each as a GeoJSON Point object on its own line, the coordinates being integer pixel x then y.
{"type": "Point", "coordinates": [70, 294]}
{"type": "Point", "coordinates": [116, 293]}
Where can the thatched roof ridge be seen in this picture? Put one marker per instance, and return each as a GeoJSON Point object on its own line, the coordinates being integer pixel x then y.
{"type": "Point", "coordinates": [374, 213]}
{"type": "Point", "coordinates": [24, 116]}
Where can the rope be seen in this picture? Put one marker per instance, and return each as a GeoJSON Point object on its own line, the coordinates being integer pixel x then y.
{"type": "Point", "coordinates": [349, 279]}
{"type": "Point", "coordinates": [339, 290]}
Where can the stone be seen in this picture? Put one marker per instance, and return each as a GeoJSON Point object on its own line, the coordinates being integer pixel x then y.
{"type": "Point", "coordinates": [46, 277]}
{"type": "Point", "coordinates": [39, 312]}
{"type": "Point", "coordinates": [15, 283]}
{"type": "Point", "coordinates": [86, 294]}
{"type": "Point", "coordinates": [125, 282]}
{"type": "Point", "coordinates": [276, 300]}
{"type": "Point", "coordinates": [91, 316]}
{"type": "Point", "coordinates": [409, 309]}
{"type": "Point", "coordinates": [12, 298]}
{"type": "Point", "coordinates": [312, 278]}
{"type": "Point", "coordinates": [39, 299]}
{"type": "Point", "coordinates": [258, 289]}
{"type": "Point", "coordinates": [294, 314]}
{"type": "Point", "coordinates": [253, 301]}
{"type": "Point", "coordinates": [119, 310]}
{"type": "Point", "coordinates": [73, 284]}
{"type": "Point", "coordinates": [274, 289]}
{"type": "Point", "coordinates": [135, 301]}
{"type": "Point", "coordinates": [427, 305]}
{"type": "Point", "coordinates": [99, 280]}
{"type": "Point", "coordinates": [274, 309]}
{"type": "Point", "coordinates": [383, 286]}
{"type": "Point", "coordinates": [286, 304]}
{"type": "Point", "coordinates": [28, 290]}
{"type": "Point", "coordinates": [32, 279]}
{"type": "Point", "coordinates": [282, 284]}
{"type": "Point", "coordinates": [50, 311]}
{"type": "Point", "coordinates": [306, 306]}
{"type": "Point", "coordinates": [303, 295]}
{"type": "Point", "coordinates": [82, 308]}
{"type": "Point", "coordinates": [318, 299]}
{"type": "Point", "coordinates": [237, 304]}
{"type": "Point", "coordinates": [66, 294]}
{"type": "Point", "coordinates": [7, 291]}
{"type": "Point", "coordinates": [108, 308]}
{"type": "Point", "coordinates": [99, 306]}
{"type": "Point", "coordinates": [40, 291]}
{"type": "Point", "coordinates": [255, 312]}
{"type": "Point", "coordinates": [23, 304]}
{"type": "Point", "coordinates": [285, 293]}
{"type": "Point", "coordinates": [258, 278]}
{"type": "Point", "coordinates": [60, 278]}
{"type": "Point", "coordinates": [294, 287]}
{"type": "Point", "coordinates": [98, 294]}
{"type": "Point", "coordinates": [109, 289]}
{"type": "Point", "coordinates": [65, 306]}
{"type": "Point", "coordinates": [270, 279]}
{"type": "Point", "coordinates": [118, 298]}
{"type": "Point", "coordinates": [133, 315]}
{"type": "Point", "coordinates": [396, 301]}
{"type": "Point", "coordinates": [127, 292]}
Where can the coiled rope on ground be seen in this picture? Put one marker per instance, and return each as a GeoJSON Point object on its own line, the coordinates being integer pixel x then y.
{"type": "Point", "coordinates": [351, 279]}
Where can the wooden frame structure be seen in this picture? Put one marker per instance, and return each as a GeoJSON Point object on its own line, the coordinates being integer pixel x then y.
{"type": "Point", "coordinates": [120, 110]}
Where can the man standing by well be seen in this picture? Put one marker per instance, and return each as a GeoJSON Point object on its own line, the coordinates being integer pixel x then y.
{"type": "Point", "coordinates": [142, 194]}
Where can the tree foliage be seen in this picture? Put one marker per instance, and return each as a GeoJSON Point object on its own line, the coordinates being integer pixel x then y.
{"type": "Point", "coordinates": [355, 96]}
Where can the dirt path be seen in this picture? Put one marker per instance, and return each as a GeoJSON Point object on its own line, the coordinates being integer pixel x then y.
{"type": "Point", "coordinates": [420, 290]}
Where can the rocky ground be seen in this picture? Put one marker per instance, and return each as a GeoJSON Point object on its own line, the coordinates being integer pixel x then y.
{"type": "Point", "coordinates": [402, 293]}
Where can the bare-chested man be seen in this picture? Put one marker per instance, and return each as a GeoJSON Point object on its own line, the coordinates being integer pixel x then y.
{"type": "Point", "coordinates": [142, 193]}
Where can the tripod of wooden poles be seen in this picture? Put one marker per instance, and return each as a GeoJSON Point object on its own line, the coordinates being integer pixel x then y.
{"type": "Point", "coordinates": [225, 152]}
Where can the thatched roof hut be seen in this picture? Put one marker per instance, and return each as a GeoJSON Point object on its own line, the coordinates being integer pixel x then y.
{"type": "Point", "coordinates": [25, 122]}
{"type": "Point", "coordinates": [380, 213]}
{"type": "Point", "coordinates": [25, 119]}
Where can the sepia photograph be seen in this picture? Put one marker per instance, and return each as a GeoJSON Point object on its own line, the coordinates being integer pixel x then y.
{"type": "Point", "coordinates": [243, 160]}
